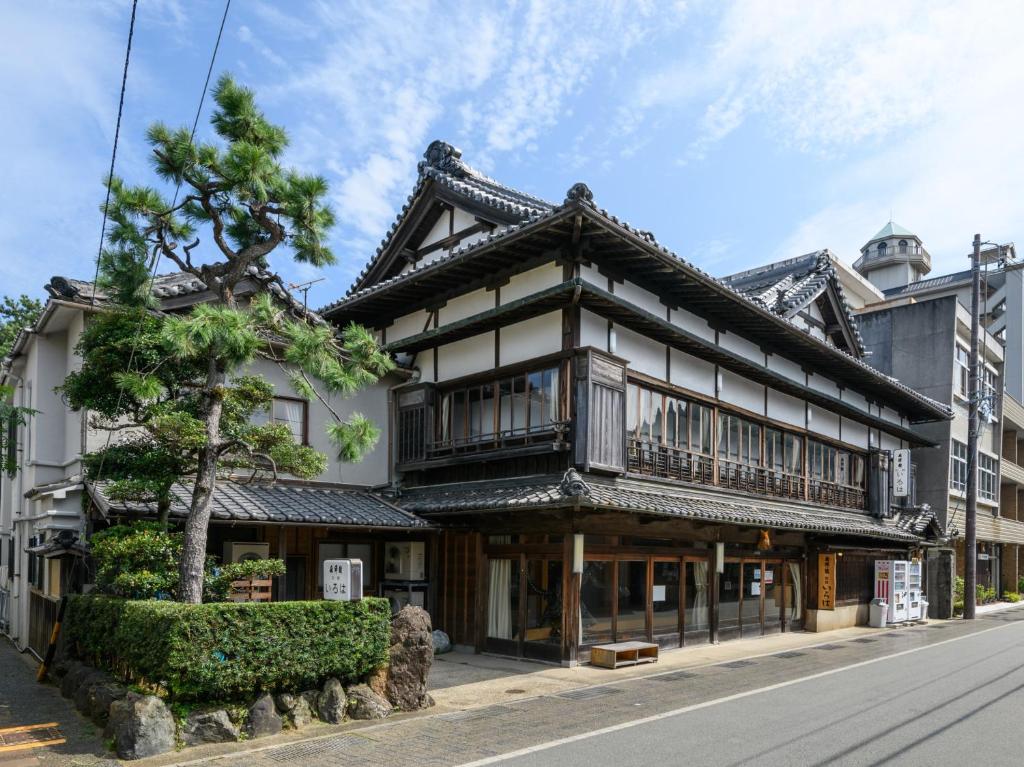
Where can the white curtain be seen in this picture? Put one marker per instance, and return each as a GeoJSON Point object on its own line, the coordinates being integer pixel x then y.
{"type": "Point", "coordinates": [499, 614]}
{"type": "Point", "coordinates": [700, 598]}
{"type": "Point", "coordinates": [794, 576]}
{"type": "Point", "coordinates": [291, 412]}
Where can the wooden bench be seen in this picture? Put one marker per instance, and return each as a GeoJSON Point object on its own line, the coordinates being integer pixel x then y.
{"type": "Point", "coordinates": [623, 654]}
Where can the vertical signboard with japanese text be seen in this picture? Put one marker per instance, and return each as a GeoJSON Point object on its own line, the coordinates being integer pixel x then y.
{"type": "Point", "coordinates": [826, 581]}
{"type": "Point", "coordinates": [901, 473]}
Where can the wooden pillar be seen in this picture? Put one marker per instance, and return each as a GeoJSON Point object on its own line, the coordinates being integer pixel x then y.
{"type": "Point", "coordinates": [433, 573]}
{"type": "Point", "coordinates": [713, 580]}
{"type": "Point", "coordinates": [571, 606]}
{"type": "Point", "coordinates": [482, 587]}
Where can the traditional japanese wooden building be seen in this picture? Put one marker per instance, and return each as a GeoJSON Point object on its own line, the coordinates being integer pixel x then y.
{"type": "Point", "coordinates": [616, 445]}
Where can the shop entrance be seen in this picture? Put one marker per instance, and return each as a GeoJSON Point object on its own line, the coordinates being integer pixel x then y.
{"type": "Point", "coordinates": [758, 597]}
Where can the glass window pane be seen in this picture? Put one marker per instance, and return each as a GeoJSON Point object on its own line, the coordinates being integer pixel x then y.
{"type": "Point", "coordinates": [519, 403]}
{"type": "Point", "coordinates": [750, 617]}
{"type": "Point", "coordinates": [505, 389]}
{"type": "Point", "coordinates": [551, 394]}
{"type": "Point", "coordinates": [503, 599]}
{"type": "Point", "coordinates": [666, 598]}
{"type": "Point", "coordinates": [596, 602]}
{"type": "Point", "coordinates": [544, 601]}
{"type": "Point", "coordinates": [458, 415]}
{"type": "Point", "coordinates": [729, 587]}
{"type": "Point", "coordinates": [772, 584]}
{"type": "Point", "coordinates": [670, 423]}
{"type": "Point", "coordinates": [657, 418]}
{"type": "Point", "coordinates": [632, 410]}
{"type": "Point", "coordinates": [632, 623]}
{"type": "Point", "coordinates": [475, 413]}
{"type": "Point", "coordinates": [646, 405]}
{"type": "Point", "coordinates": [538, 418]}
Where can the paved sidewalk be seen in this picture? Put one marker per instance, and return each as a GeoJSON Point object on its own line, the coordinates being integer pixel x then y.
{"type": "Point", "coordinates": [501, 705]}
{"type": "Point", "coordinates": [23, 701]}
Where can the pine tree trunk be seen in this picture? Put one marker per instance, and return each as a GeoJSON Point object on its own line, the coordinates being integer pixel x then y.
{"type": "Point", "coordinates": [193, 555]}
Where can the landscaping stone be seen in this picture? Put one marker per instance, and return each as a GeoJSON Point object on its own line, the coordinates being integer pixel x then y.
{"type": "Point", "coordinates": [74, 674]}
{"type": "Point", "coordinates": [301, 715]}
{"type": "Point", "coordinates": [411, 654]}
{"type": "Point", "coordinates": [85, 686]}
{"type": "Point", "coordinates": [285, 702]}
{"type": "Point", "coordinates": [263, 718]}
{"type": "Point", "coordinates": [442, 643]}
{"type": "Point", "coordinates": [212, 726]}
{"type": "Point", "coordinates": [101, 696]}
{"type": "Point", "coordinates": [332, 702]}
{"type": "Point", "coordinates": [364, 703]}
{"type": "Point", "coordinates": [378, 681]}
{"type": "Point", "coordinates": [312, 698]}
{"type": "Point", "coordinates": [140, 726]}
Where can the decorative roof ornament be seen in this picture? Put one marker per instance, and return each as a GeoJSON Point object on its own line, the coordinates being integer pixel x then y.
{"type": "Point", "coordinates": [443, 156]}
{"type": "Point", "coordinates": [580, 192]}
{"type": "Point", "coordinates": [572, 483]}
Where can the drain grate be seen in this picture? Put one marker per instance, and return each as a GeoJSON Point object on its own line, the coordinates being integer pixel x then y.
{"type": "Point", "coordinates": [302, 751]}
{"type": "Point", "coordinates": [473, 714]}
{"type": "Point", "coordinates": [829, 647]}
{"type": "Point", "coordinates": [674, 676]}
{"type": "Point", "coordinates": [864, 640]}
{"type": "Point", "coordinates": [587, 693]}
{"type": "Point", "coordinates": [736, 664]}
{"type": "Point", "coordinates": [789, 654]}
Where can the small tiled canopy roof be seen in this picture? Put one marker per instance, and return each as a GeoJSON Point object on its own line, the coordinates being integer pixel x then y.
{"type": "Point", "coordinates": [281, 503]}
{"type": "Point", "coordinates": [650, 497]}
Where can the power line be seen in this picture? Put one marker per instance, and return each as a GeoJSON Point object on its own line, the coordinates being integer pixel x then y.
{"type": "Point", "coordinates": [113, 154]}
{"type": "Point", "coordinates": [177, 191]}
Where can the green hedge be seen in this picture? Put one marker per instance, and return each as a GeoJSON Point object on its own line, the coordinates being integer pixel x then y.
{"type": "Point", "coordinates": [229, 651]}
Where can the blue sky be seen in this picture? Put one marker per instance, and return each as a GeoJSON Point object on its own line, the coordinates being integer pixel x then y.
{"type": "Point", "coordinates": [737, 132]}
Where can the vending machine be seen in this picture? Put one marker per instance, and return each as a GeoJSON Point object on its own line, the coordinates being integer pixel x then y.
{"type": "Point", "coordinates": [891, 584]}
{"type": "Point", "coordinates": [915, 599]}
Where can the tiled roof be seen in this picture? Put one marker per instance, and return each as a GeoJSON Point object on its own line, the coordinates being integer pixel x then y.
{"type": "Point", "coordinates": [443, 165]}
{"type": "Point", "coordinates": [172, 285]}
{"type": "Point", "coordinates": [649, 497]}
{"type": "Point", "coordinates": [788, 287]}
{"type": "Point", "coordinates": [283, 503]}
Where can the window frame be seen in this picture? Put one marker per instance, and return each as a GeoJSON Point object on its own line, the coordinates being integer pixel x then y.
{"type": "Point", "coordinates": [271, 418]}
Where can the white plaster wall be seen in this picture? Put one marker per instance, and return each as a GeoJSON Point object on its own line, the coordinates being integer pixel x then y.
{"type": "Point", "coordinates": [425, 363]}
{"type": "Point", "coordinates": [590, 274]}
{"type": "Point", "coordinates": [408, 325]}
{"type": "Point", "coordinates": [73, 420]}
{"type": "Point", "coordinates": [783, 407]}
{"type": "Point", "coordinates": [741, 346]}
{"type": "Point", "coordinates": [593, 330]}
{"type": "Point", "coordinates": [859, 401]}
{"type": "Point", "coordinates": [822, 384]}
{"type": "Point", "coordinates": [644, 355]}
{"type": "Point", "coordinates": [855, 433]}
{"type": "Point", "coordinates": [691, 322]}
{"type": "Point", "coordinates": [438, 232]}
{"type": "Point", "coordinates": [640, 297]}
{"type": "Point", "coordinates": [890, 442]}
{"type": "Point", "coordinates": [823, 421]}
{"type": "Point", "coordinates": [470, 355]}
{"type": "Point", "coordinates": [786, 367]}
{"type": "Point", "coordinates": [692, 373]}
{"type": "Point", "coordinates": [741, 392]}
{"type": "Point", "coordinates": [532, 281]}
{"type": "Point", "coordinates": [466, 305]}
{"type": "Point", "coordinates": [463, 220]}
{"type": "Point", "coordinates": [531, 338]}
{"type": "Point", "coordinates": [891, 416]}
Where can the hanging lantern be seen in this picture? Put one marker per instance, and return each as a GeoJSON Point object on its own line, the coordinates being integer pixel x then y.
{"type": "Point", "coordinates": [764, 541]}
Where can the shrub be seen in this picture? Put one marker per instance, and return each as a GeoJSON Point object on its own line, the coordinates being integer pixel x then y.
{"type": "Point", "coordinates": [1011, 596]}
{"type": "Point", "coordinates": [958, 589]}
{"type": "Point", "coordinates": [140, 561]}
{"type": "Point", "coordinates": [229, 651]}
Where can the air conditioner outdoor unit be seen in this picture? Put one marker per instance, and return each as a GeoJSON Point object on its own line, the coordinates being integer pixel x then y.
{"type": "Point", "coordinates": [236, 551]}
{"type": "Point", "coordinates": [405, 561]}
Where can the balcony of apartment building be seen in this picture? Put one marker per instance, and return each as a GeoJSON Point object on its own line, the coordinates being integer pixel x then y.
{"type": "Point", "coordinates": [1007, 528]}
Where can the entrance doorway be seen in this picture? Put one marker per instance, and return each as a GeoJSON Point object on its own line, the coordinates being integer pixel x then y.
{"type": "Point", "coordinates": [757, 597]}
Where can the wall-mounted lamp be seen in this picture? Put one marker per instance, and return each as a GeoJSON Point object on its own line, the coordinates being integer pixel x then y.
{"type": "Point", "coordinates": [719, 557]}
{"type": "Point", "coordinates": [613, 340]}
{"type": "Point", "coordinates": [577, 553]}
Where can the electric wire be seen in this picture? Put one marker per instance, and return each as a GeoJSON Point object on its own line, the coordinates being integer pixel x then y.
{"type": "Point", "coordinates": [156, 258]}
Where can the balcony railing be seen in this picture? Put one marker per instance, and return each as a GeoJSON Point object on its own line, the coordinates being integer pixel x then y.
{"type": "Point", "coordinates": [508, 438]}
{"type": "Point", "coordinates": [670, 463]}
{"type": "Point", "coordinates": [666, 462]}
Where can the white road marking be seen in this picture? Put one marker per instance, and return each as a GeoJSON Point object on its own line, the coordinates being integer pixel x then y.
{"type": "Point", "coordinates": [709, 703]}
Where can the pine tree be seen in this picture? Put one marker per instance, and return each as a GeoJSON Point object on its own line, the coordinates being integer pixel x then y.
{"type": "Point", "coordinates": [16, 314]}
{"type": "Point", "coordinates": [237, 192]}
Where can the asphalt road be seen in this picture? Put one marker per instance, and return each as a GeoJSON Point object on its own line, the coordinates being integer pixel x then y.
{"type": "Point", "coordinates": [955, 702]}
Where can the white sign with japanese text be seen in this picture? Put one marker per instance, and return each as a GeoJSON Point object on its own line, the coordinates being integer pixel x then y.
{"type": "Point", "coordinates": [901, 473]}
{"type": "Point", "coordinates": [343, 579]}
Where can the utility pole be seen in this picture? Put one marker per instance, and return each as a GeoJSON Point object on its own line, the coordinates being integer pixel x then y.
{"type": "Point", "coordinates": [971, 536]}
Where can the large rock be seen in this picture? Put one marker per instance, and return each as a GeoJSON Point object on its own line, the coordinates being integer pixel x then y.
{"type": "Point", "coordinates": [140, 726]}
{"type": "Point", "coordinates": [411, 653]}
{"type": "Point", "coordinates": [378, 681]}
{"type": "Point", "coordinates": [312, 698]}
{"type": "Point", "coordinates": [301, 714]}
{"type": "Point", "coordinates": [72, 677]}
{"type": "Point", "coordinates": [285, 703]}
{"type": "Point", "coordinates": [210, 726]}
{"type": "Point", "coordinates": [83, 695]}
{"type": "Point", "coordinates": [263, 718]}
{"type": "Point", "coordinates": [101, 697]}
{"type": "Point", "coordinates": [442, 643]}
{"type": "Point", "coordinates": [364, 703]}
{"type": "Point", "coordinates": [332, 702]}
